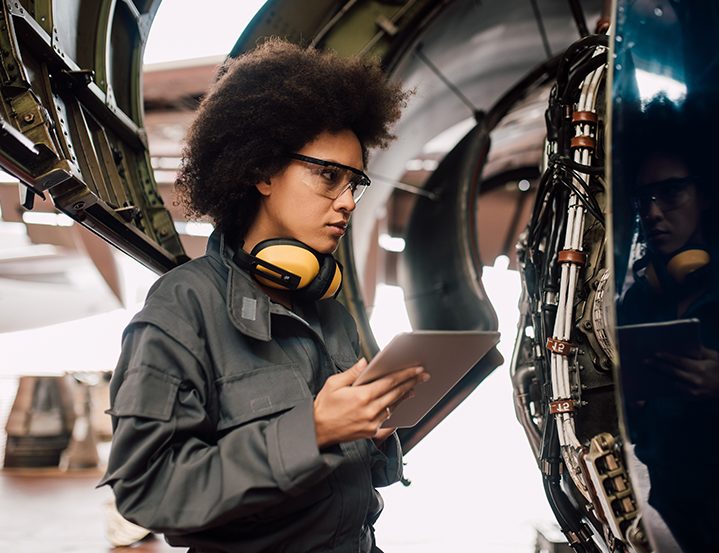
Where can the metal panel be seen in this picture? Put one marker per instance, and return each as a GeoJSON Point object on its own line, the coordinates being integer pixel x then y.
{"type": "Point", "coordinates": [72, 111]}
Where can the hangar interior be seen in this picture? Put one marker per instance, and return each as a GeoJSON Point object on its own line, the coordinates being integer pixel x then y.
{"type": "Point", "coordinates": [520, 132]}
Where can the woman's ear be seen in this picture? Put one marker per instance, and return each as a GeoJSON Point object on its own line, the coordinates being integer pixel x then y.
{"type": "Point", "coordinates": [264, 187]}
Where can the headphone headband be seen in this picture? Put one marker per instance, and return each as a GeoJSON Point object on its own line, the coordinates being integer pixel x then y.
{"type": "Point", "coordinates": [274, 273]}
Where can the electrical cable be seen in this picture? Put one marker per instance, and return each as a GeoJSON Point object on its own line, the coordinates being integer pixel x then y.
{"type": "Point", "coordinates": [564, 160]}
{"type": "Point", "coordinates": [580, 75]}
{"type": "Point", "coordinates": [565, 63]}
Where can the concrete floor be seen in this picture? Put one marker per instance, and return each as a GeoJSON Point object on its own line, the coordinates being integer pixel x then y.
{"type": "Point", "coordinates": [48, 511]}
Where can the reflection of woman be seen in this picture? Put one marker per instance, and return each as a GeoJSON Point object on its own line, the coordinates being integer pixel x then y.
{"type": "Point", "coordinates": [234, 428]}
{"type": "Point", "coordinates": [677, 279]}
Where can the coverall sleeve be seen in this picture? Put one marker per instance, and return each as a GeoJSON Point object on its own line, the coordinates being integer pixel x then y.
{"type": "Point", "coordinates": [168, 468]}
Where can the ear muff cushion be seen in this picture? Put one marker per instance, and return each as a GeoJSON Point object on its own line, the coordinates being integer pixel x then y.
{"type": "Point", "coordinates": [336, 283]}
{"type": "Point", "coordinates": [292, 256]}
{"type": "Point", "coordinates": [686, 262]}
{"type": "Point", "coordinates": [322, 286]}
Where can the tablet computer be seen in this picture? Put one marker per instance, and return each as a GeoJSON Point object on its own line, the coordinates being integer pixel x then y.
{"type": "Point", "coordinates": [639, 342]}
{"type": "Point", "coordinates": [446, 355]}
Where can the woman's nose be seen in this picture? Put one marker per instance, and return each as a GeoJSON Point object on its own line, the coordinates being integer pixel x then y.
{"type": "Point", "coordinates": [654, 211]}
{"type": "Point", "coordinates": [345, 201]}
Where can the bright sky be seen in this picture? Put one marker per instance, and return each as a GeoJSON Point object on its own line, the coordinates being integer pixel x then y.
{"type": "Point", "coordinates": [185, 29]}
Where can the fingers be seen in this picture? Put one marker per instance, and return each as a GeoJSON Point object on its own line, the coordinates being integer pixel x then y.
{"type": "Point", "coordinates": [668, 368]}
{"type": "Point", "coordinates": [684, 373]}
{"type": "Point", "coordinates": [347, 377]}
{"type": "Point", "coordinates": [671, 364]}
{"type": "Point", "coordinates": [407, 395]}
{"type": "Point", "coordinates": [358, 411]}
{"type": "Point", "coordinates": [397, 394]}
{"type": "Point", "coordinates": [383, 385]}
{"type": "Point", "coordinates": [382, 434]}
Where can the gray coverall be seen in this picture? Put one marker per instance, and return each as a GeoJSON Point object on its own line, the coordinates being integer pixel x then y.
{"type": "Point", "coordinates": [212, 407]}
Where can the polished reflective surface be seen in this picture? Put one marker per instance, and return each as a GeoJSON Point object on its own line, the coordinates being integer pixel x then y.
{"type": "Point", "coordinates": [666, 230]}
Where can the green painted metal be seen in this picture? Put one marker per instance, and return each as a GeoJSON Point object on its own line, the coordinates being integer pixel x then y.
{"type": "Point", "coordinates": [71, 73]}
{"type": "Point", "coordinates": [368, 28]}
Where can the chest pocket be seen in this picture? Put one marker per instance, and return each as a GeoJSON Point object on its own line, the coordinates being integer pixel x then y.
{"type": "Point", "coordinates": [340, 350]}
{"type": "Point", "coordinates": [258, 393]}
{"type": "Point", "coordinates": [343, 361]}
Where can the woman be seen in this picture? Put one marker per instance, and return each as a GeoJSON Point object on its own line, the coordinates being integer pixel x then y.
{"type": "Point", "coordinates": [236, 425]}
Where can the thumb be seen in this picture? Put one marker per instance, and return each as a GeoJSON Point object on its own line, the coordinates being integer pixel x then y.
{"type": "Point", "coordinates": [347, 377]}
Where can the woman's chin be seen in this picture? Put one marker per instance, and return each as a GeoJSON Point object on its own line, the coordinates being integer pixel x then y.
{"type": "Point", "coordinates": [326, 245]}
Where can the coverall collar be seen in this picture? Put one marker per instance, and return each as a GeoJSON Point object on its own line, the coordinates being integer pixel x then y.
{"type": "Point", "coordinates": [248, 306]}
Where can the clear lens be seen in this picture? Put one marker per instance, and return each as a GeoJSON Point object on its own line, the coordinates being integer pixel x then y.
{"type": "Point", "coordinates": [668, 195]}
{"type": "Point", "coordinates": [358, 184]}
{"type": "Point", "coordinates": [332, 180]}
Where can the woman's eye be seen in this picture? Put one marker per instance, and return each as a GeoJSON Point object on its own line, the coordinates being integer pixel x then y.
{"type": "Point", "coordinates": [673, 192]}
{"type": "Point", "coordinates": [331, 175]}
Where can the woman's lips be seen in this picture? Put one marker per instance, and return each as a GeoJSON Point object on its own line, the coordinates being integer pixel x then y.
{"type": "Point", "coordinates": [338, 229]}
{"type": "Point", "coordinates": [654, 234]}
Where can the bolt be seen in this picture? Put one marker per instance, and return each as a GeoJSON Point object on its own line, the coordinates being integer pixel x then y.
{"type": "Point", "coordinates": [28, 117]}
{"type": "Point", "coordinates": [77, 206]}
{"type": "Point", "coordinates": [588, 325]}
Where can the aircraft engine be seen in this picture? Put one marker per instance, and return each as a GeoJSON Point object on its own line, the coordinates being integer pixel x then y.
{"type": "Point", "coordinates": [562, 363]}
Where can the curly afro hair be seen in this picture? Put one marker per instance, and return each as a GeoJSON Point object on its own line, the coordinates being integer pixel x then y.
{"type": "Point", "coordinates": [266, 104]}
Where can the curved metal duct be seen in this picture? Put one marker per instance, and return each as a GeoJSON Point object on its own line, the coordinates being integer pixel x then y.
{"type": "Point", "coordinates": [440, 270]}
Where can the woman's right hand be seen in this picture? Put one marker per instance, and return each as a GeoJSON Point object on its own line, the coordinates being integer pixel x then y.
{"type": "Point", "coordinates": [344, 412]}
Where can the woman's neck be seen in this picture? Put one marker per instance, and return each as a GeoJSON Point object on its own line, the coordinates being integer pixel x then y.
{"type": "Point", "coordinates": [283, 297]}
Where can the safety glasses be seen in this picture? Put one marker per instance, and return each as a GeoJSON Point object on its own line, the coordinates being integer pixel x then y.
{"type": "Point", "coordinates": [668, 194]}
{"type": "Point", "coordinates": [331, 179]}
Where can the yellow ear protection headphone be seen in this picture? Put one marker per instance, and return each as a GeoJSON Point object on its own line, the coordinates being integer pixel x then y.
{"type": "Point", "coordinates": [288, 264]}
{"type": "Point", "coordinates": [678, 268]}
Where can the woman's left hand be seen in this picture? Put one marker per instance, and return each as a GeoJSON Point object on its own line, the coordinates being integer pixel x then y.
{"type": "Point", "coordinates": [697, 376]}
{"type": "Point", "coordinates": [384, 433]}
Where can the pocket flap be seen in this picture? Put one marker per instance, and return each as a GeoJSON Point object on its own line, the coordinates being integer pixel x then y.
{"type": "Point", "coordinates": [344, 362]}
{"type": "Point", "coordinates": [257, 393]}
{"type": "Point", "coordinates": [146, 392]}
